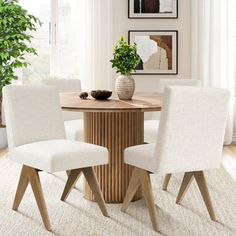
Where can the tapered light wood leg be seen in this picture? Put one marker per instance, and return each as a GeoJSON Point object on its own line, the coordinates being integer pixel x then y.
{"type": "Point", "coordinates": [68, 173]}
{"type": "Point", "coordinates": [72, 179]}
{"type": "Point", "coordinates": [201, 181]}
{"type": "Point", "coordinates": [166, 182]}
{"type": "Point", "coordinates": [38, 193]}
{"type": "Point", "coordinates": [94, 185]}
{"type": "Point", "coordinates": [187, 180]}
{"type": "Point", "coordinates": [133, 187]}
{"type": "Point", "coordinates": [149, 198]}
{"type": "Point", "coordinates": [142, 177]}
{"type": "Point", "coordinates": [22, 186]}
{"type": "Point", "coordinates": [30, 175]}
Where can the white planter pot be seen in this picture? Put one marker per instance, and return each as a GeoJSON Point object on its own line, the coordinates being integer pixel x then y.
{"type": "Point", "coordinates": [125, 86]}
{"type": "Point", "coordinates": [3, 138]}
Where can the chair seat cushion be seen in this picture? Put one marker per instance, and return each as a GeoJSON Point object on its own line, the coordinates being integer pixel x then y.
{"type": "Point", "coordinates": [141, 156]}
{"type": "Point", "coordinates": [59, 155]}
{"type": "Point", "coordinates": [74, 130]}
{"type": "Point", "coordinates": [151, 130]}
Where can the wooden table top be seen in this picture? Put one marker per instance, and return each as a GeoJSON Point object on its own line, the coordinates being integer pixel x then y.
{"type": "Point", "coordinates": [142, 102]}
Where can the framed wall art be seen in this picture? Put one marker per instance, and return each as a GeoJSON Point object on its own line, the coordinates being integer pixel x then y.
{"type": "Point", "coordinates": [158, 50]}
{"type": "Point", "coordinates": [153, 9]}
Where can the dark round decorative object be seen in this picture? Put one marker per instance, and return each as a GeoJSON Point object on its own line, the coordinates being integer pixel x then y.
{"type": "Point", "coordinates": [101, 94]}
{"type": "Point", "coordinates": [83, 95]}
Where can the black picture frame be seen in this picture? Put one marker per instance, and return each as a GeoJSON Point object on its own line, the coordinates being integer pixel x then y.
{"type": "Point", "coordinates": [174, 34]}
{"type": "Point", "coordinates": [132, 15]}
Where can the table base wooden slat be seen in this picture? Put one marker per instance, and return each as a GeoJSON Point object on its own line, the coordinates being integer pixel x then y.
{"type": "Point", "coordinates": [116, 131]}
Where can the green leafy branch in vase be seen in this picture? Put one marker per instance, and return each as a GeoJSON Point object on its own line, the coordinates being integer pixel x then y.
{"type": "Point", "coordinates": [126, 58]}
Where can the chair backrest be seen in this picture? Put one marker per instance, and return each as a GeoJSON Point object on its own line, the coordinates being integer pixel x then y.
{"type": "Point", "coordinates": [192, 128]}
{"type": "Point", "coordinates": [32, 114]}
{"type": "Point", "coordinates": [64, 86]}
{"type": "Point", "coordinates": [163, 83]}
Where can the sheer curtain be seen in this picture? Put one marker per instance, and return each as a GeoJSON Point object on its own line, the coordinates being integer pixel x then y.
{"type": "Point", "coordinates": [93, 28]}
{"type": "Point", "coordinates": [212, 48]}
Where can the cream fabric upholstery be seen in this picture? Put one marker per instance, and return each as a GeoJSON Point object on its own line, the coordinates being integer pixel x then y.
{"type": "Point", "coordinates": [59, 155]}
{"type": "Point", "coordinates": [74, 130]}
{"type": "Point", "coordinates": [66, 86]}
{"type": "Point", "coordinates": [73, 121]}
{"type": "Point", "coordinates": [150, 130]}
{"type": "Point", "coordinates": [191, 132]}
{"type": "Point", "coordinates": [36, 132]}
{"type": "Point", "coordinates": [152, 119]}
{"type": "Point", "coordinates": [32, 114]}
{"type": "Point", "coordinates": [141, 156]}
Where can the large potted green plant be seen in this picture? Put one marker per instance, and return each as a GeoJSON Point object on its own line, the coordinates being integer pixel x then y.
{"type": "Point", "coordinates": [125, 61]}
{"type": "Point", "coordinates": [15, 39]}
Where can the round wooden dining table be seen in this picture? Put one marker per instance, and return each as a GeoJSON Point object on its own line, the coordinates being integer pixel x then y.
{"type": "Point", "coordinates": [115, 124]}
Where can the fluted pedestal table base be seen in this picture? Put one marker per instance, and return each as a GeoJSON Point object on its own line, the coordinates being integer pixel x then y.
{"type": "Point", "coordinates": [116, 131]}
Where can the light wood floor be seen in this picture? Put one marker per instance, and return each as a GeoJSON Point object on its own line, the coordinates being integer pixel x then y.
{"type": "Point", "coordinates": [229, 160]}
{"type": "Point", "coordinates": [230, 150]}
{"type": "Point", "coordinates": [3, 152]}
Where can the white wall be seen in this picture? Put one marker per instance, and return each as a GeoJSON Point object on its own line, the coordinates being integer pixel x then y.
{"type": "Point", "coordinates": [121, 26]}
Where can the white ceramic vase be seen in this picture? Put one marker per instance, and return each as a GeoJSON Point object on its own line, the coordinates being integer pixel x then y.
{"type": "Point", "coordinates": [125, 86]}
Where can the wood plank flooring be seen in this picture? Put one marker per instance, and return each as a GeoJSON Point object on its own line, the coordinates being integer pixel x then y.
{"type": "Point", "coordinates": [229, 160]}
{"type": "Point", "coordinates": [3, 152]}
{"type": "Point", "coordinates": [230, 150]}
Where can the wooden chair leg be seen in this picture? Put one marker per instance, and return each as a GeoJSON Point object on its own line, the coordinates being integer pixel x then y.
{"type": "Point", "coordinates": [22, 186]}
{"type": "Point", "coordinates": [38, 193]}
{"type": "Point", "coordinates": [132, 188]}
{"type": "Point", "coordinates": [187, 180]}
{"type": "Point", "coordinates": [68, 173]}
{"type": "Point", "coordinates": [149, 198]}
{"type": "Point", "coordinates": [166, 182]}
{"type": "Point", "coordinates": [201, 181]}
{"type": "Point", "coordinates": [72, 179]}
{"type": "Point", "coordinates": [94, 185]}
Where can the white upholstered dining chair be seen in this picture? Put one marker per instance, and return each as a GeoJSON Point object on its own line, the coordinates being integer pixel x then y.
{"type": "Point", "coordinates": [37, 141]}
{"type": "Point", "coordinates": [151, 122]}
{"type": "Point", "coordinates": [190, 140]}
{"type": "Point", "coordinates": [73, 121]}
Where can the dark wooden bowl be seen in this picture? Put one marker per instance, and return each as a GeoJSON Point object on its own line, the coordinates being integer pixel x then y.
{"type": "Point", "coordinates": [101, 94]}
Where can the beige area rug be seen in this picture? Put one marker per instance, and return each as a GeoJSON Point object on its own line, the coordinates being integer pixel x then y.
{"type": "Point", "coordinates": [79, 216]}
